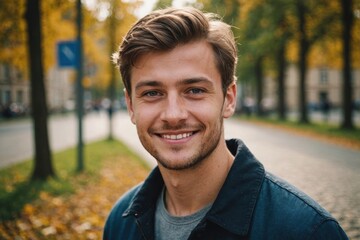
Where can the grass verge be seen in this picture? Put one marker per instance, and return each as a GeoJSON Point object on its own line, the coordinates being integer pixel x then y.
{"type": "Point", "coordinates": [16, 190]}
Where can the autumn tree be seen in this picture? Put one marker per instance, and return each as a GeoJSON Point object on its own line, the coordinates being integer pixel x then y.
{"type": "Point", "coordinates": [341, 50]}
{"type": "Point", "coordinates": [53, 22]}
{"type": "Point", "coordinates": [228, 9]}
{"type": "Point", "coordinates": [258, 25]}
{"type": "Point", "coordinates": [347, 23]}
{"type": "Point", "coordinates": [313, 19]}
{"type": "Point", "coordinates": [282, 31]}
{"type": "Point", "coordinates": [12, 34]}
{"type": "Point", "coordinates": [43, 165]}
{"type": "Point", "coordinates": [255, 36]}
{"type": "Point", "coordinates": [160, 4]}
{"type": "Point", "coordinates": [268, 31]}
{"type": "Point", "coordinates": [109, 32]}
{"type": "Point", "coordinates": [16, 38]}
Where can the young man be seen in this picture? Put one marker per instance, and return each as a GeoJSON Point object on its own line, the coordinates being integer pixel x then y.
{"type": "Point", "coordinates": [178, 69]}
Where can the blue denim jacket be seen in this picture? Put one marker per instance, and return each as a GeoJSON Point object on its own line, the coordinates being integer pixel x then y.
{"type": "Point", "coordinates": [252, 204]}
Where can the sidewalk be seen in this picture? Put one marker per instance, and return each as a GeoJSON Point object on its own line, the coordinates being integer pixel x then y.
{"type": "Point", "coordinates": [125, 131]}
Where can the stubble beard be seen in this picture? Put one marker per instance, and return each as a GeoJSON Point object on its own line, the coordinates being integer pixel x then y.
{"type": "Point", "coordinates": [207, 147]}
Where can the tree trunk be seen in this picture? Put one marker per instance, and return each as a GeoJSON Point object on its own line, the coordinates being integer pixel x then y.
{"type": "Point", "coordinates": [281, 82]}
{"type": "Point", "coordinates": [347, 20]}
{"type": "Point", "coordinates": [303, 51]}
{"type": "Point", "coordinates": [43, 165]}
{"type": "Point", "coordinates": [259, 86]}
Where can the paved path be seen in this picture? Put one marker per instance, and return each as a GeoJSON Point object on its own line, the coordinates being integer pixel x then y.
{"type": "Point", "coordinates": [126, 132]}
{"type": "Point", "coordinates": [16, 138]}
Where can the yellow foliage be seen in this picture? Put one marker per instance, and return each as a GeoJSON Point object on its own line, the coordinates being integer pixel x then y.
{"type": "Point", "coordinates": [97, 40]}
{"type": "Point", "coordinates": [12, 34]}
{"type": "Point", "coordinates": [246, 7]}
{"type": "Point", "coordinates": [28, 209]}
{"type": "Point", "coordinates": [356, 42]}
{"type": "Point", "coordinates": [58, 24]}
{"type": "Point", "coordinates": [326, 53]}
{"type": "Point", "coordinates": [56, 27]}
{"type": "Point", "coordinates": [81, 215]}
{"type": "Point", "coordinates": [86, 82]}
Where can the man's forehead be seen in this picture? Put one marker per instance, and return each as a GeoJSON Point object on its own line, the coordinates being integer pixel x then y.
{"type": "Point", "coordinates": [183, 50]}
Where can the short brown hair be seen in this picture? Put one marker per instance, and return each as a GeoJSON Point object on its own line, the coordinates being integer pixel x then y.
{"type": "Point", "coordinates": [164, 29]}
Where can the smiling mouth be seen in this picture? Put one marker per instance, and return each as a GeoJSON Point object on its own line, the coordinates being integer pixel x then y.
{"type": "Point", "coordinates": [177, 136]}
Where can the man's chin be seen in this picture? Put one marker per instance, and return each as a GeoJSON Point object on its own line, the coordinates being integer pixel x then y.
{"type": "Point", "coordinates": [178, 163]}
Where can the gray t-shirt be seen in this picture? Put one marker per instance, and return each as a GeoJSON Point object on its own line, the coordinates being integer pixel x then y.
{"type": "Point", "coordinates": [168, 227]}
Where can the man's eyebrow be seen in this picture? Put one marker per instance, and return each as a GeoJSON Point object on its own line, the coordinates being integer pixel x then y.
{"type": "Point", "coordinates": [148, 83]}
{"type": "Point", "coordinates": [195, 80]}
{"type": "Point", "coordinates": [188, 81]}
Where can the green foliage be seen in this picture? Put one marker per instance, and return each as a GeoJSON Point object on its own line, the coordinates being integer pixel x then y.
{"type": "Point", "coordinates": [264, 30]}
{"type": "Point", "coordinates": [160, 4]}
{"type": "Point", "coordinates": [267, 26]}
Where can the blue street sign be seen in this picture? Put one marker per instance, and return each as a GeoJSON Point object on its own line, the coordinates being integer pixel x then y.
{"type": "Point", "coordinates": [67, 54]}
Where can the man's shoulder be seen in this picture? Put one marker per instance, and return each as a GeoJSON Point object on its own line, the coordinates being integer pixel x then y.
{"type": "Point", "coordinates": [287, 210]}
{"type": "Point", "coordinates": [287, 195]}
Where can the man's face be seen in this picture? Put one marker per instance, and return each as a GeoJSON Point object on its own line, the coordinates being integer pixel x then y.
{"type": "Point", "coordinates": [178, 106]}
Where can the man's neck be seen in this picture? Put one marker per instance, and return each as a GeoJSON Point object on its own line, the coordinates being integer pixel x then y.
{"type": "Point", "coordinates": [188, 191]}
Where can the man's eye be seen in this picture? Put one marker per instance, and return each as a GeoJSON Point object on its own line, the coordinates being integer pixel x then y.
{"type": "Point", "coordinates": [196, 91]}
{"type": "Point", "coordinates": [151, 94]}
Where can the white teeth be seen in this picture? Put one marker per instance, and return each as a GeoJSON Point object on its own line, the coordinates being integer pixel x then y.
{"type": "Point", "coordinates": [177, 137]}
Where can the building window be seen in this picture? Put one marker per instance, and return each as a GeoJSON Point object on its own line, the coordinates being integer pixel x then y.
{"type": "Point", "coordinates": [20, 97]}
{"type": "Point", "coordinates": [324, 75]}
{"type": "Point", "coordinates": [2, 72]}
{"type": "Point", "coordinates": [7, 97]}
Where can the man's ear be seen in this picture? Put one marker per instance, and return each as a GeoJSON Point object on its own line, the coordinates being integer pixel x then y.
{"type": "Point", "coordinates": [230, 101]}
{"type": "Point", "coordinates": [129, 107]}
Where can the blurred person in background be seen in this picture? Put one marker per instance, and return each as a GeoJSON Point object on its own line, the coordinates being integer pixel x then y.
{"type": "Point", "coordinates": [178, 68]}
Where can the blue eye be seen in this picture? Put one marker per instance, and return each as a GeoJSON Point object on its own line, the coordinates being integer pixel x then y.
{"type": "Point", "coordinates": [151, 94]}
{"type": "Point", "coordinates": [196, 91]}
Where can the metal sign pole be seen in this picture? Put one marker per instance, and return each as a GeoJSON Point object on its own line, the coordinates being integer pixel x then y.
{"type": "Point", "coordinates": [79, 89]}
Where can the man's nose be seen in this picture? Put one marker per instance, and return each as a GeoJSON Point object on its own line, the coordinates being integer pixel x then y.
{"type": "Point", "coordinates": [175, 110]}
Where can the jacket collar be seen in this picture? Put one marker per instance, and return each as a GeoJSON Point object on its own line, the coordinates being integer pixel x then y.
{"type": "Point", "coordinates": [144, 203]}
{"type": "Point", "coordinates": [147, 195]}
{"type": "Point", "coordinates": [235, 204]}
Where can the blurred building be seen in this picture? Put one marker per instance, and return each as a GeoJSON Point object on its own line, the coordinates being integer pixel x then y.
{"type": "Point", "coordinates": [15, 95]}
{"type": "Point", "coordinates": [14, 91]}
{"type": "Point", "coordinates": [323, 84]}
{"type": "Point", "coordinates": [60, 90]}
